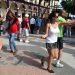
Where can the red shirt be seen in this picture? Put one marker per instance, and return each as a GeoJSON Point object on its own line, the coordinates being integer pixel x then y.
{"type": "Point", "coordinates": [14, 28]}
{"type": "Point", "coordinates": [25, 21]}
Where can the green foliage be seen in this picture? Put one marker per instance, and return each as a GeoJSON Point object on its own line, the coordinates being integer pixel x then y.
{"type": "Point", "coordinates": [68, 6]}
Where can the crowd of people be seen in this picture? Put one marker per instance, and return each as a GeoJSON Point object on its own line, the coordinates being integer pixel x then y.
{"type": "Point", "coordinates": [29, 25]}
{"type": "Point", "coordinates": [53, 35]}
{"type": "Point", "coordinates": [19, 27]}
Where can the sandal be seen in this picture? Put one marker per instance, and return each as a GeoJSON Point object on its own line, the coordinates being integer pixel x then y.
{"type": "Point", "coordinates": [51, 71]}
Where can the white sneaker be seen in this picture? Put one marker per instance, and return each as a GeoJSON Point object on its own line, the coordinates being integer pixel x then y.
{"type": "Point", "coordinates": [21, 40]}
{"type": "Point", "coordinates": [59, 65]}
{"type": "Point", "coordinates": [27, 41]}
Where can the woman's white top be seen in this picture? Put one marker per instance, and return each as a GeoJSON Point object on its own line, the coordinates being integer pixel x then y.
{"type": "Point", "coordinates": [52, 34]}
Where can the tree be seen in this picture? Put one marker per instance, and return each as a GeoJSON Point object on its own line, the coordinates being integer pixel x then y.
{"type": "Point", "coordinates": [69, 6]}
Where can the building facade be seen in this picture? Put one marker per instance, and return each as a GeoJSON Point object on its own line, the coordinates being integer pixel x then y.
{"type": "Point", "coordinates": [32, 7]}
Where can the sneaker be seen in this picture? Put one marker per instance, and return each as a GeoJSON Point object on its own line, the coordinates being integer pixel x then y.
{"type": "Point", "coordinates": [27, 41]}
{"type": "Point", "coordinates": [59, 65]}
{"type": "Point", "coordinates": [21, 40]}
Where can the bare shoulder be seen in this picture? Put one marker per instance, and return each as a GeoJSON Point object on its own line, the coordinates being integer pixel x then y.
{"type": "Point", "coordinates": [48, 25]}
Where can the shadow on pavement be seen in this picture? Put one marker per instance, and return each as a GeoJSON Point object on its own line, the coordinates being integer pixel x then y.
{"type": "Point", "coordinates": [33, 54]}
{"type": "Point", "coordinates": [69, 42]}
{"type": "Point", "coordinates": [29, 58]}
{"type": "Point", "coordinates": [70, 51]}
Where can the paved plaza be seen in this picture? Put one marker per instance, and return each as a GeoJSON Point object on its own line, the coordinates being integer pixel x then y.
{"type": "Point", "coordinates": [27, 60]}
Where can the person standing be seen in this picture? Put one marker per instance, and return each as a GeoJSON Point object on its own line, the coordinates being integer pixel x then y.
{"type": "Point", "coordinates": [12, 29]}
{"type": "Point", "coordinates": [32, 24]}
{"type": "Point", "coordinates": [26, 28]}
{"type": "Point", "coordinates": [38, 24]}
{"type": "Point", "coordinates": [43, 26]}
{"type": "Point", "coordinates": [61, 18]}
{"type": "Point", "coordinates": [20, 29]}
{"type": "Point", "coordinates": [51, 40]}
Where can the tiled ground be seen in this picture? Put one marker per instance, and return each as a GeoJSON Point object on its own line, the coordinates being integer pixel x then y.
{"type": "Point", "coordinates": [25, 62]}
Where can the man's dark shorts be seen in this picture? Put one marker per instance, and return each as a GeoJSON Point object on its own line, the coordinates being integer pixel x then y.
{"type": "Point", "coordinates": [60, 43]}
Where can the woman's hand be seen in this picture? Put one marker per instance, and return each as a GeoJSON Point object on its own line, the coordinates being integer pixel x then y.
{"type": "Point", "coordinates": [43, 36]}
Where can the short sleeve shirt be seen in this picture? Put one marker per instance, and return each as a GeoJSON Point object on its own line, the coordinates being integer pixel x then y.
{"type": "Point", "coordinates": [26, 20]}
{"type": "Point", "coordinates": [61, 19]}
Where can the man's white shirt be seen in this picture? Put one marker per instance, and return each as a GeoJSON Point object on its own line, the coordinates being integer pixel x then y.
{"type": "Point", "coordinates": [32, 21]}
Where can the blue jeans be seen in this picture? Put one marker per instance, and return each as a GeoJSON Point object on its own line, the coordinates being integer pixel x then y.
{"type": "Point", "coordinates": [12, 41]}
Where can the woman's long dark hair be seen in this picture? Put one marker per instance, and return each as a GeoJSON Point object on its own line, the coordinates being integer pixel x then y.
{"type": "Point", "coordinates": [53, 14]}
{"type": "Point", "coordinates": [49, 19]}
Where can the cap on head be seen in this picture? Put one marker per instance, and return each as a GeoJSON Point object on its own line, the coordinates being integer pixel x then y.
{"type": "Point", "coordinates": [19, 15]}
{"type": "Point", "coordinates": [26, 15]}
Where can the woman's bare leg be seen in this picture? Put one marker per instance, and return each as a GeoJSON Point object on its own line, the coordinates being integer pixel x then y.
{"type": "Point", "coordinates": [49, 59]}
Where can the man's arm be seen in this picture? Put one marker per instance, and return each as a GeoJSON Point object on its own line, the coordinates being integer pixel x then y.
{"type": "Point", "coordinates": [67, 23]}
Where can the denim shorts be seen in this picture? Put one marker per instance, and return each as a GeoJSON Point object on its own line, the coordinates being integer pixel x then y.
{"type": "Point", "coordinates": [51, 45]}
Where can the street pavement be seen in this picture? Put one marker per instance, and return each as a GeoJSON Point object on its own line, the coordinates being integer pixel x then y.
{"type": "Point", "coordinates": [27, 60]}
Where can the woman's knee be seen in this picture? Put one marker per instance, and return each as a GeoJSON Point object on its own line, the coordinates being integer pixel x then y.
{"type": "Point", "coordinates": [55, 53]}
